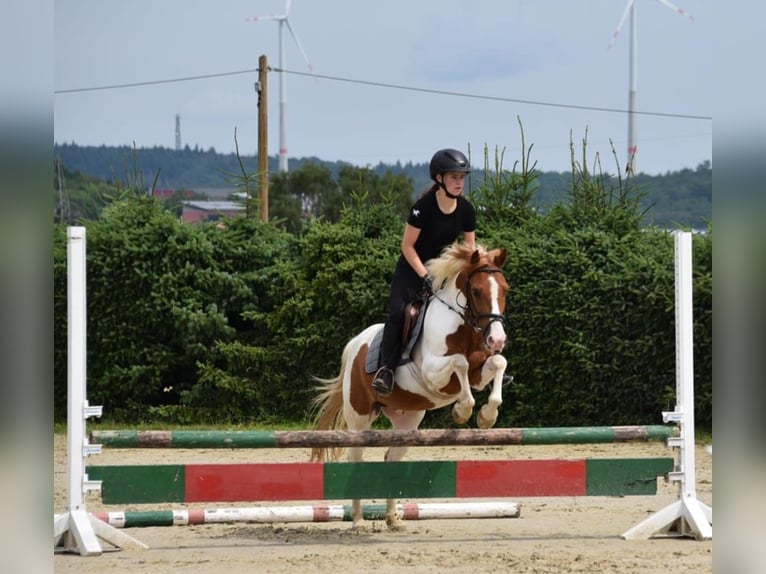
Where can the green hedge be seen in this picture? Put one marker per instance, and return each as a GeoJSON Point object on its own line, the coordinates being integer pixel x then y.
{"type": "Point", "coordinates": [193, 324]}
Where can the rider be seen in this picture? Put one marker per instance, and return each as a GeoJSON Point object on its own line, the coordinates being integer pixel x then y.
{"type": "Point", "coordinates": [435, 221]}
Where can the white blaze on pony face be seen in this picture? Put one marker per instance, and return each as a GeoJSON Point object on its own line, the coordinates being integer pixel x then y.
{"type": "Point", "coordinates": [496, 337]}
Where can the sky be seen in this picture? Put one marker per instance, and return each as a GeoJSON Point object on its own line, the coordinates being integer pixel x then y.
{"type": "Point", "coordinates": [392, 81]}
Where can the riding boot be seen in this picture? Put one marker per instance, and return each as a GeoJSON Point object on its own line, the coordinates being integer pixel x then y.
{"type": "Point", "coordinates": [390, 349]}
{"type": "Point", "coordinates": [383, 383]}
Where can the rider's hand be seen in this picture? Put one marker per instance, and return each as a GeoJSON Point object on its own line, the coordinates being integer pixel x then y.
{"type": "Point", "coordinates": [427, 287]}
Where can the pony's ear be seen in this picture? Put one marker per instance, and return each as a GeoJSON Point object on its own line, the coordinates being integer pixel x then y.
{"type": "Point", "coordinates": [500, 257]}
{"type": "Point", "coordinates": [475, 256]}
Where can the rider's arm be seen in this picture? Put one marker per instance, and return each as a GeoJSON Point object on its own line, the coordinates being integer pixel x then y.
{"type": "Point", "coordinates": [409, 238]}
{"type": "Point", "coordinates": [469, 239]}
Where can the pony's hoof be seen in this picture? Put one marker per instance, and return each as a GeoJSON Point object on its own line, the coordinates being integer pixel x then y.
{"type": "Point", "coordinates": [485, 421]}
{"type": "Point", "coordinates": [360, 526]}
{"type": "Point", "coordinates": [460, 417]}
{"type": "Point", "coordinates": [395, 524]}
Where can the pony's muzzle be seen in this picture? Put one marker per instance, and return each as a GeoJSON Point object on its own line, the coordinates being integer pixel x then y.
{"type": "Point", "coordinates": [495, 339]}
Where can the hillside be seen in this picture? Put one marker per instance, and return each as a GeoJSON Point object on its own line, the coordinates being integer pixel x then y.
{"type": "Point", "coordinates": [676, 198]}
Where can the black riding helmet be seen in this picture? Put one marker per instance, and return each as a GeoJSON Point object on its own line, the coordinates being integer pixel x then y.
{"type": "Point", "coordinates": [446, 160]}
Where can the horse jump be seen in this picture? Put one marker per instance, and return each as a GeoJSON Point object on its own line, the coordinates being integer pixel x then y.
{"type": "Point", "coordinates": [78, 531]}
{"type": "Point", "coordinates": [196, 483]}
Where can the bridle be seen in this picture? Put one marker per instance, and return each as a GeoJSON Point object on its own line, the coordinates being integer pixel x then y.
{"type": "Point", "coordinates": [468, 311]}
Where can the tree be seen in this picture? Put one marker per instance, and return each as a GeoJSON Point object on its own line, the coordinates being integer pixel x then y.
{"type": "Point", "coordinates": [506, 196]}
{"type": "Point", "coordinates": [395, 190]}
{"type": "Point", "coordinates": [302, 194]}
{"type": "Point", "coordinates": [310, 192]}
{"type": "Point", "coordinates": [79, 197]}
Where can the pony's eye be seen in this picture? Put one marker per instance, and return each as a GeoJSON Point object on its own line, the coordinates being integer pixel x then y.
{"type": "Point", "coordinates": [475, 292]}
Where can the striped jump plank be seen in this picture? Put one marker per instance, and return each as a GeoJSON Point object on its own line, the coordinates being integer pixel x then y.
{"type": "Point", "coordinates": [424, 437]}
{"type": "Point", "coordinates": [192, 483]}
{"type": "Point", "coordinates": [313, 513]}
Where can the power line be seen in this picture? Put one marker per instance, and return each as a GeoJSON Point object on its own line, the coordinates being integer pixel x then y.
{"type": "Point", "coordinates": [389, 86]}
{"type": "Point", "coordinates": [153, 82]}
{"type": "Point", "coordinates": [493, 98]}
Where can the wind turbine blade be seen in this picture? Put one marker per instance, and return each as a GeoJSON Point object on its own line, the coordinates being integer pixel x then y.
{"type": "Point", "coordinates": [287, 7]}
{"type": "Point", "coordinates": [298, 42]}
{"type": "Point", "coordinates": [622, 21]}
{"type": "Point", "coordinates": [676, 9]}
{"type": "Point", "coordinates": [269, 18]}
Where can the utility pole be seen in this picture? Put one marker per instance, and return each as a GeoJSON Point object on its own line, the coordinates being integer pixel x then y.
{"type": "Point", "coordinates": [263, 137]}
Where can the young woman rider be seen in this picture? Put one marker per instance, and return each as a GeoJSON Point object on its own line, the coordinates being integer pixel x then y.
{"type": "Point", "coordinates": [436, 220]}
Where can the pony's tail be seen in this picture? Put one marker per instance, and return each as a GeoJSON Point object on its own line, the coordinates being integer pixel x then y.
{"type": "Point", "coordinates": [328, 405]}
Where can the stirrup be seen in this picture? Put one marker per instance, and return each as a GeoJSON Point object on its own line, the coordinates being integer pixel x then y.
{"type": "Point", "coordinates": [383, 383]}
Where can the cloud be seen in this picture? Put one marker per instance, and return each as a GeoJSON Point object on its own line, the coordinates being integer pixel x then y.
{"type": "Point", "coordinates": [459, 64]}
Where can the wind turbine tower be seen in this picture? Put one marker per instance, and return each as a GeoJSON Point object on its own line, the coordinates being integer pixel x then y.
{"type": "Point", "coordinates": [630, 8]}
{"type": "Point", "coordinates": [283, 22]}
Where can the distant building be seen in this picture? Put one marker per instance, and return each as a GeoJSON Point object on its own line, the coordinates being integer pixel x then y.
{"type": "Point", "coordinates": [196, 211]}
{"type": "Point", "coordinates": [216, 192]}
{"type": "Point", "coordinates": [164, 193]}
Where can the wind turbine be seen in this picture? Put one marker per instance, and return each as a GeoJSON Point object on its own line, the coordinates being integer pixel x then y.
{"type": "Point", "coordinates": [630, 7]}
{"type": "Point", "coordinates": [283, 21]}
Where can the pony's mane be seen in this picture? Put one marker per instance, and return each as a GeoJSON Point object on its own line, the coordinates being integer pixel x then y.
{"type": "Point", "coordinates": [451, 262]}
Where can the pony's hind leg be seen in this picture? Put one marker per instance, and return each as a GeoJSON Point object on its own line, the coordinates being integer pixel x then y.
{"type": "Point", "coordinates": [394, 520]}
{"type": "Point", "coordinates": [400, 420]}
{"type": "Point", "coordinates": [357, 515]}
{"type": "Point", "coordinates": [355, 421]}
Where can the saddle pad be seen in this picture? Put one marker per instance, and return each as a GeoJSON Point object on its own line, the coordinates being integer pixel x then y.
{"type": "Point", "coordinates": [372, 363]}
{"type": "Point", "coordinates": [373, 353]}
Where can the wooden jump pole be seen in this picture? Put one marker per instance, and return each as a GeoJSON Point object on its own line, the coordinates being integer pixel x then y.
{"type": "Point", "coordinates": [368, 438]}
{"type": "Point", "coordinates": [307, 513]}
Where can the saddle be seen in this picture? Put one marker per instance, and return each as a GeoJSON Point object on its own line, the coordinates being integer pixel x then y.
{"type": "Point", "coordinates": [414, 313]}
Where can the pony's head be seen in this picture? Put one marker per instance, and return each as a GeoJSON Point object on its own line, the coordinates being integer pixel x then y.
{"type": "Point", "coordinates": [477, 275]}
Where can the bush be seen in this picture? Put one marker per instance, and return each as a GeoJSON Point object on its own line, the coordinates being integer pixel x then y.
{"type": "Point", "coordinates": [229, 325]}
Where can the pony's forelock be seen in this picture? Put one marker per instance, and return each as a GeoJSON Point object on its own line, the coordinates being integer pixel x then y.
{"type": "Point", "coordinates": [451, 261]}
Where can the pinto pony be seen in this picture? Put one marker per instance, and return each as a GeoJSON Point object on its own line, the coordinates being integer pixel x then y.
{"type": "Point", "coordinates": [458, 350]}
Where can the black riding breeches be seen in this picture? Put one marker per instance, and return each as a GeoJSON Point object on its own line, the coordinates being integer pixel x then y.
{"type": "Point", "coordinates": [404, 288]}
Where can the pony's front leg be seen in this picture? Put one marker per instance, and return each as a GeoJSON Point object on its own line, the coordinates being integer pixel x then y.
{"type": "Point", "coordinates": [463, 407]}
{"type": "Point", "coordinates": [493, 369]}
{"type": "Point", "coordinates": [439, 370]}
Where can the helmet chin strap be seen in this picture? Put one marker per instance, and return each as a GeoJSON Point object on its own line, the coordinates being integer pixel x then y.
{"type": "Point", "coordinates": [447, 193]}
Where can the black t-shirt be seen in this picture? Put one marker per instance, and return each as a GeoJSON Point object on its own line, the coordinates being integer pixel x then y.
{"type": "Point", "coordinates": [439, 229]}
